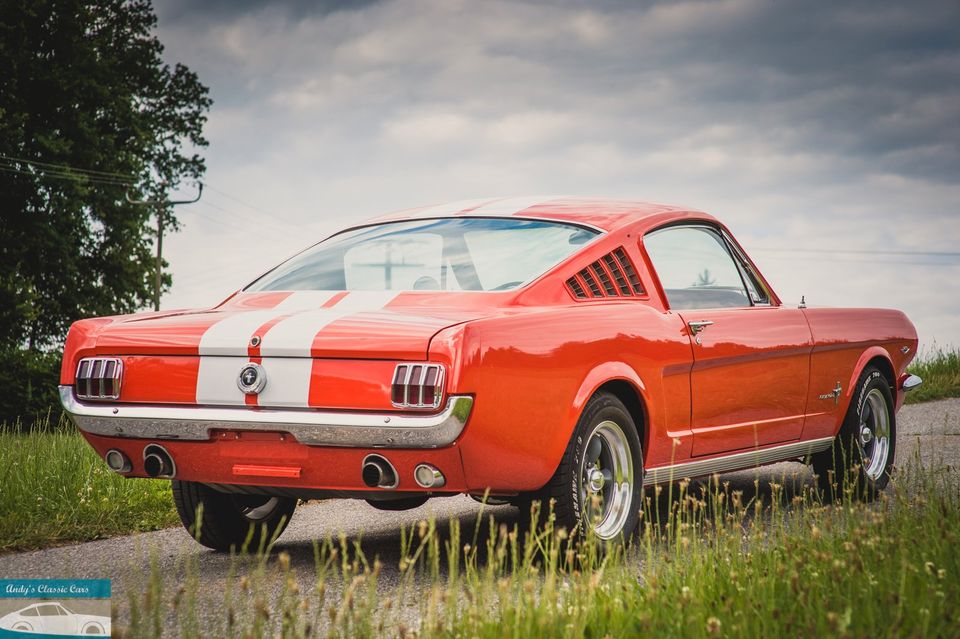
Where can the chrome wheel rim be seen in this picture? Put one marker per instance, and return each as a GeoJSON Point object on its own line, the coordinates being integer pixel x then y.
{"type": "Point", "coordinates": [873, 436]}
{"type": "Point", "coordinates": [606, 480]}
{"type": "Point", "coordinates": [256, 509]}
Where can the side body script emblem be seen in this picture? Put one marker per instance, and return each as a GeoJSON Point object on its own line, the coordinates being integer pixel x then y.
{"type": "Point", "coordinates": [835, 395]}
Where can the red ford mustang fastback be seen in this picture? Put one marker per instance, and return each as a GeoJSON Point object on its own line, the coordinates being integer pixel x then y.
{"type": "Point", "coordinates": [570, 349]}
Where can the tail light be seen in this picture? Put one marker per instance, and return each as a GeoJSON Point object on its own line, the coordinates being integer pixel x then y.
{"type": "Point", "coordinates": [99, 378]}
{"type": "Point", "coordinates": [417, 386]}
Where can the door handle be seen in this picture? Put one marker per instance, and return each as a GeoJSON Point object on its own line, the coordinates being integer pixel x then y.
{"type": "Point", "coordinates": [698, 326]}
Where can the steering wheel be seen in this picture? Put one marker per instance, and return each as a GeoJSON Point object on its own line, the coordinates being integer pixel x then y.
{"type": "Point", "coordinates": [504, 287]}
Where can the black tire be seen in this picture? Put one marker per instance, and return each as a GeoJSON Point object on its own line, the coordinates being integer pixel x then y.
{"type": "Point", "coordinates": [404, 503]}
{"type": "Point", "coordinates": [852, 464]}
{"type": "Point", "coordinates": [567, 486]}
{"type": "Point", "coordinates": [242, 522]}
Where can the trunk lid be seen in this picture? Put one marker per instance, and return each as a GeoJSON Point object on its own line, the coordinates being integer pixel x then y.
{"type": "Point", "coordinates": [314, 324]}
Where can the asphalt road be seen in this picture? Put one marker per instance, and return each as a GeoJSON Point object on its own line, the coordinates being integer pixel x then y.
{"type": "Point", "coordinates": [928, 432]}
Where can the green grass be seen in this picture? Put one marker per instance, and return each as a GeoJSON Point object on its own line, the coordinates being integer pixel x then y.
{"type": "Point", "coordinates": [940, 370]}
{"type": "Point", "coordinates": [708, 563]}
{"type": "Point", "coordinates": [55, 489]}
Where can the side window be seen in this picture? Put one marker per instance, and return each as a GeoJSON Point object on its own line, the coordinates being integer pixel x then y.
{"type": "Point", "coordinates": [30, 612]}
{"type": "Point", "coordinates": [695, 268]}
{"type": "Point", "coordinates": [48, 610]}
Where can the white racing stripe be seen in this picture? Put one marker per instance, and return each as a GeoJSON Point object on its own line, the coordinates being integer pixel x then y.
{"type": "Point", "coordinates": [293, 336]}
{"type": "Point", "coordinates": [223, 350]}
{"type": "Point", "coordinates": [449, 208]}
{"type": "Point", "coordinates": [288, 382]}
{"type": "Point", "coordinates": [511, 205]}
{"type": "Point", "coordinates": [285, 346]}
{"type": "Point", "coordinates": [217, 380]}
{"type": "Point", "coordinates": [305, 301]}
{"type": "Point", "coordinates": [231, 335]}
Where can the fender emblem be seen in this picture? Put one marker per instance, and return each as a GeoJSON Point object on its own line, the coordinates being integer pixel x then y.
{"type": "Point", "coordinates": [834, 395]}
{"type": "Point", "coordinates": [252, 378]}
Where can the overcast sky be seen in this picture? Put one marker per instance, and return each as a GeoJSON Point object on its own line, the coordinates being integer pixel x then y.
{"type": "Point", "coordinates": [806, 126]}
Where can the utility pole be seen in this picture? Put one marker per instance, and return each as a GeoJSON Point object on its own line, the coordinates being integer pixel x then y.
{"type": "Point", "coordinates": [161, 206]}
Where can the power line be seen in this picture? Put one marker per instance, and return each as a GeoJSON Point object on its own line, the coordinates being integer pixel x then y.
{"type": "Point", "coordinates": [858, 251]}
{"type": "Point", "coordinates": [261, 226]}
{"type": "Point", "coordinates": [68, 176]}
{"type": "Point", "coordinates": [273, 216]}
{"type": "Point", "coordinates": [9, 164]}
{"type": "Point", "coordinates": [239, 201]}
{"type": "Point", "coordinates": [853, 260]}
{"type": "Point", "coordinates": [64, 168]}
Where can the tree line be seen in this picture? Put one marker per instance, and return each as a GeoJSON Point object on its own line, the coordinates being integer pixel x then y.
{"type": "Point", "coordinates": [91, 117]}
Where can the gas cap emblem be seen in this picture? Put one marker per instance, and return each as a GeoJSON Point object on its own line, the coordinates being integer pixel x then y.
{"type": "Point", "coordinates": [252, 378]}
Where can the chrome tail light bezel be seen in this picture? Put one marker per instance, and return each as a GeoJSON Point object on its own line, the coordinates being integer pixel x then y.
{"type": "Point", "coordinates": [410, 381]}
{"type": "Point", "coordinates": [98, 378]}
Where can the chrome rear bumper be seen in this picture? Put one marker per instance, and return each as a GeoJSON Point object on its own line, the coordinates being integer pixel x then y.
{"type": "Point", "coordinates": [308, 426]}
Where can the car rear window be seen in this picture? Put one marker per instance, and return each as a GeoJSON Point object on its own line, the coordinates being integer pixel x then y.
{"type": "Point", "coordinates": [472, 254]}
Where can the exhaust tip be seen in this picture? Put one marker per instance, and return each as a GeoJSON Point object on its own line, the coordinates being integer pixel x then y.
{"type": "Point", "coordinates": [117, 461]}
{"type": "Point", "coordinates": [377, 472]}
{"type": "Point", "coordinates": [158, 463]}
{"type": "Point", "coordinates": [428, 476]}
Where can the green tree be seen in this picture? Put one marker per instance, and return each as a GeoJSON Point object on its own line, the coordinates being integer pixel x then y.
{"type": "Point", "coordinates": [83, 85]}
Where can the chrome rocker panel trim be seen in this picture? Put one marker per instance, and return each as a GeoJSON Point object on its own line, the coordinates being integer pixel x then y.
{"type": "Point", "coordinates": [311, 427]}
{"type": "Point", "coordinates": [737, 461]}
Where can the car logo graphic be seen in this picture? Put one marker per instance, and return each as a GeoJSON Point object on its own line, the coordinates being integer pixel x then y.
{"type": "Point", "coordinates": [252, 378]}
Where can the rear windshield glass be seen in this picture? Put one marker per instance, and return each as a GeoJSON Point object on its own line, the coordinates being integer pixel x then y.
{"type": "Point", "coordinates": [469, 254]}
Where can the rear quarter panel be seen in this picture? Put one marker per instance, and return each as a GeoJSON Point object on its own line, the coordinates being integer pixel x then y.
{"type": "Point", "coordinates": [845, 342]}
{"type": "Point", "coordinates": [532, 371]}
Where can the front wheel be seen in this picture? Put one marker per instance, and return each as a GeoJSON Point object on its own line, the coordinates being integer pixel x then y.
{"type": "Point", "coordinates": [862, 454]}
{"type": "Point", "coordinates": [228, 520]}
{"type": "Point", "coordinates": [598, 484]}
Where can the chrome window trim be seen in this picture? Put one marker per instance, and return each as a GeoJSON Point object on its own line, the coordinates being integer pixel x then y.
{"type": "Point", "coordinates": [746, 268]}
{"type": "Point", "coordinates": [600, 234]}
{"type": "Point", "coordinates": [309, 426]}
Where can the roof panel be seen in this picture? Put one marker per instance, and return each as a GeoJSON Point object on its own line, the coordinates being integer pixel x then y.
{"type": "Point", "coordinates": [606, 214]}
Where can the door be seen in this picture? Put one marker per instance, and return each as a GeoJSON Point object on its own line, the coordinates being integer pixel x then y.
{"type": "Point", "coordinates": [751, 368]}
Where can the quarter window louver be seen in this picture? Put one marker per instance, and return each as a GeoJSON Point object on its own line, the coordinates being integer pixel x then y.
{"type": "Point", "coordinates": [591, 283]}
{"type": "Point", "coordinates": [576, 288]}
{"type": "Point", "coordinates": [601, 274]}
{"type": "Point", "coordinates": [631, 272]}
{"type": "Point", "coordinates": [614, 267]}
{"type": "Point", "coordinates": [99, 378]}
{"type": "Point", "coordinates": [613, 275]}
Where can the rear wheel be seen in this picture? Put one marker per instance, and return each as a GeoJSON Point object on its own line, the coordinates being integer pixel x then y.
{"type": "Point", "coordinates": [229, 520]}
{"type": "Point", "coordinates": [599, 481]}
{"type": "Point", "coordinates": [862, 454]}
{"type": "Point", "coordinates": [404, 503]}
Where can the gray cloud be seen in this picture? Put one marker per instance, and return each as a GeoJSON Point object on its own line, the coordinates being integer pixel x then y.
{"type": "Point", "coordinates": [801, 123]}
